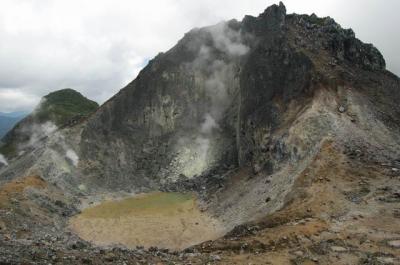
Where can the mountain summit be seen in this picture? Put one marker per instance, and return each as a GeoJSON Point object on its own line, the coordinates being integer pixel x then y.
{"type": "Point", "coordinates": [285, 128]}
{"type": "Point", "coordinates": [61, 106]}
{"type": "Point", "coordinates": [56, 109]}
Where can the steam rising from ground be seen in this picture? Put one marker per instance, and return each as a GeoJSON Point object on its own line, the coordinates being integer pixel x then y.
{"type": "Point", "coordinates": [37, 132]}
{"type": "Point", "coordinates": [71, 155]}
{"type": "Point", "coordinates": [215, 65]}
{"type": "Point", "coordinates": [228, 40]}
{"type": "Point", "coordinates": [3, 160]}
{"type": "Point", "coordinates": [221, 75]}
{"type": "Point", "coordinates": [208, 125]}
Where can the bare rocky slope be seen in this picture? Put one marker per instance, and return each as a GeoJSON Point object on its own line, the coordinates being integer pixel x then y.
{"type": "Point", "coordinates": [286, 126]}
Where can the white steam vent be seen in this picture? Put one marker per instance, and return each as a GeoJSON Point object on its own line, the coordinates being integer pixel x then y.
{"type": "Point", "coordinates": [72, 156]}
{"type": "Point", "coordinates": [3, 160]}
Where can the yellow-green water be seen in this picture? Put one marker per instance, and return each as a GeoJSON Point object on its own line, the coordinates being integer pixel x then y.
{"type": "Point", "coordinates": [158, 202]}
{"type": "Point", "coordinates": [168, 220]}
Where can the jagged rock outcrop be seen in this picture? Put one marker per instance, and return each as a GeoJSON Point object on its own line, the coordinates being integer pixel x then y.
{"type": "Point", "coordinates": [219, 97]}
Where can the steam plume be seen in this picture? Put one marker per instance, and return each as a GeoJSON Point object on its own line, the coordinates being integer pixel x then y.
{"type": "Point", "coordinates": [215, 66]}
{"type": "Point", "coordinates": [71, 155]}
{"type": "Point", "coordinates": [3, 160]}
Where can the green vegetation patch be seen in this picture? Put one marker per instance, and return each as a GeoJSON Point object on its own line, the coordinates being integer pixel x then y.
{"type": "Point", "coordinates": [8, 150]}
{"type": "Point", "coordinates": [62, 105]}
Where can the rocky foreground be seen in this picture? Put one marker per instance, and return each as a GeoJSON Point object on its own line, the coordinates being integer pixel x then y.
{"type": "Point", "coordinates": [345, 211]}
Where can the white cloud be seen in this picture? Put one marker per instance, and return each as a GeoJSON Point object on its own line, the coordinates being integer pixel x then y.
{"type": "Point", "coordinates": [99, 46]}
{"type": "Point", "coordinates": [16, 99]}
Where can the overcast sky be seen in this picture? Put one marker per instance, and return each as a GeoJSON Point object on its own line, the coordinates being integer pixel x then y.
{"type": "Point", "coordinates": [98, 46]}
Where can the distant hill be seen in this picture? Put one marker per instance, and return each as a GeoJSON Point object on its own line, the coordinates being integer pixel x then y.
{"type": "Point", "coordinates": [15, 114]}
{"type": "Point", "coordinates": [8, 121]}
{"type": "Point", "coordinates": [54, 110]}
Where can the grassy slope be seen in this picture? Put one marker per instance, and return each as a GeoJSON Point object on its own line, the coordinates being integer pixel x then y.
{"type": "Point", "coordinates": [62, 105]}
